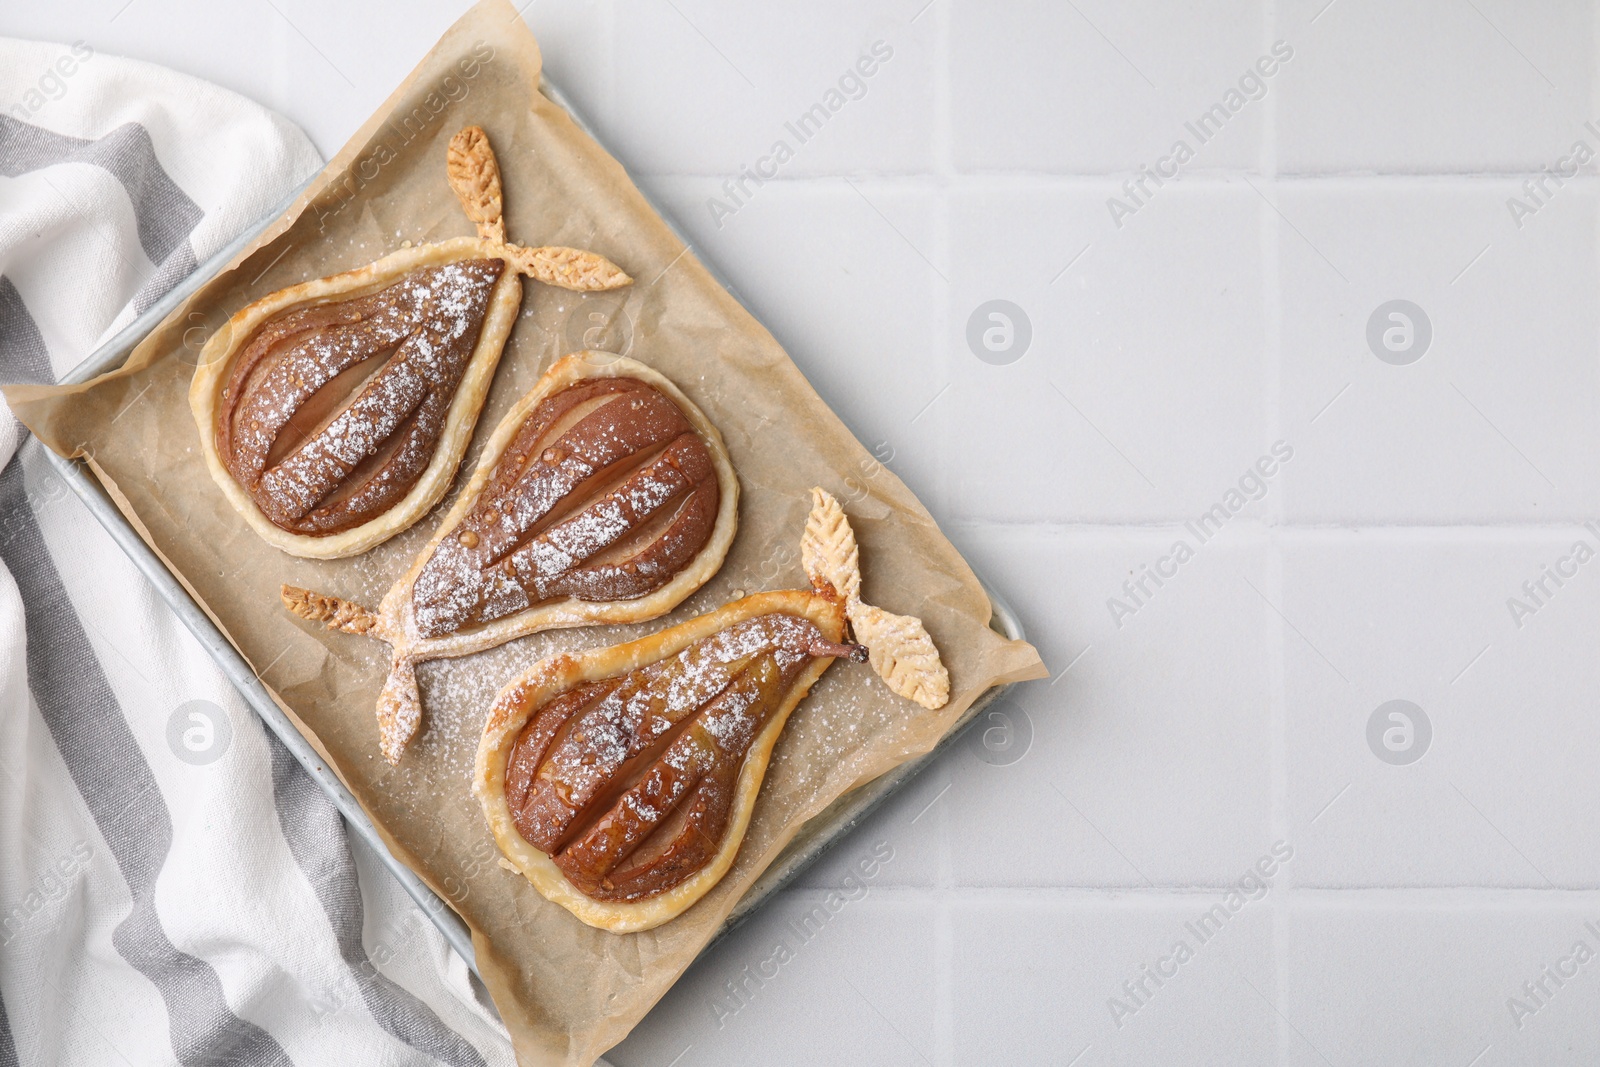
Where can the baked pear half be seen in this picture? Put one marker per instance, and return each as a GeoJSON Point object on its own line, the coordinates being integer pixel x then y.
{"type": "Point", "coordinates": [333, 414]}
{"type": "Point", "coordinates": [604, 496]}
{"type": "Point", "coordinates": [620, 781]}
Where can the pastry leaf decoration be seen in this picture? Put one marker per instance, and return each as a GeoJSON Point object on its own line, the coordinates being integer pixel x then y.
{"type": "Point", "coordinates": [900, 649]}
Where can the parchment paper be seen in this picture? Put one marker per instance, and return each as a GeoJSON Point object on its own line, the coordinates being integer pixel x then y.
{"type": "Point", "coordinates": [566, 992]}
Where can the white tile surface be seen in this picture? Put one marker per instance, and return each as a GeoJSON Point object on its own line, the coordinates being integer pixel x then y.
{"type": "Point", "coordinates": [1097, 87]}
{"type": "Point", "coordinates": [1491, 423]}
{"type": "Point", "coordinates": [1500, 795]}
{"type": "Point", "coordinates": [1034, 980]}
{"type": "Point", "coordinates": [1098, 421]}
{"type": "Point", "coordinates": [1433, 87]}
{"type": "Point", "coordinates": [1122, 786]}
{"type": "Point", "coordinates": [739, 996]}
{"type": "Point", "coordinates": [1228, 311]}
{"type": "Point", "coordinates": [739, 75]}
{"type": "Point", "coordinates": [1430, 980]}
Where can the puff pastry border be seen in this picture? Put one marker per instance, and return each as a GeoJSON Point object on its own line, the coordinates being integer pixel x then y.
{"type": "Point", "coordinates": [396, 613]}
{"type": "Point", "coordinates": [217, 359]}
{"type": "Point", "coordinates": [551, 677]}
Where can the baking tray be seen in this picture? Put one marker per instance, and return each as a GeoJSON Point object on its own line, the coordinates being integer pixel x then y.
{"type": "Point", "coordinates": [819, 834]}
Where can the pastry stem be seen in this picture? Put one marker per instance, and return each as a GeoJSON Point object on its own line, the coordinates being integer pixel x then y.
{"type": "Point", "coordinates": [853, 653]}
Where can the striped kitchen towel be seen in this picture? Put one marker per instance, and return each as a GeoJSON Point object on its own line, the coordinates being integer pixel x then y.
{"type": "Point", "coordinates": [173, 886]}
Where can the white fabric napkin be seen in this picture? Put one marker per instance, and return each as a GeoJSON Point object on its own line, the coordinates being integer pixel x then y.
{"type": "Point", "coordinates": [173, 886]}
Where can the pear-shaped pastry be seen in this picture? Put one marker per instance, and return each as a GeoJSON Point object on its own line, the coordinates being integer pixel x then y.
{"type": "Point", "coordinates": [604, 496]}
{"type": "Point", "coordinates": [333, 414]}
{"type": "Point", "coordinates": [621, 781]}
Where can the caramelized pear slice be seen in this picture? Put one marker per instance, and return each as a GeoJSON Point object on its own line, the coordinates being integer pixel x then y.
{"type": "Point", "coordinates": [621, 781]}
{"type": "Point", "coordinates": [333, 411]}
{"type": "Point", "coordinates": [601, 790]}
{"type": "Point", "coordinates": [604, 495]}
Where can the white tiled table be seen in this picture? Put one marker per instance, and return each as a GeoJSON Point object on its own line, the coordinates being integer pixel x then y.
{"type": "Point", "coordinates": [1229, 710]}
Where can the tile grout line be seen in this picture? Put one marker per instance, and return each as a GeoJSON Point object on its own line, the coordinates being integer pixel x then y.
{"type": "Point", "coordinates": [1487, 531]}
{"type": "Point", "coordinates": [1205, 177]}
{"type": "Point", "coordinates": [613, 89]}
{"type": "Point", "coordinates": [1272, 311]}
{"type": "Point", "coordinates": [944, 173]}
{"type": "Point", "coordinates": [944, 982]}
{"type": "Point", "coordinates": [1594, 108]}
{"type": "Point", "coordinates": [1133, 894]}
{"type": "Point", "coordinates": [944, 163]}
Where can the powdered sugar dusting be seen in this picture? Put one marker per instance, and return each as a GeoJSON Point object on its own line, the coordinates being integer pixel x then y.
{"type": "Point", "coordinates": [511, 550]}
{"type": "Point", "coordinates": [672, 735]}
{"type": "Point", "coordinates": [424, 328]}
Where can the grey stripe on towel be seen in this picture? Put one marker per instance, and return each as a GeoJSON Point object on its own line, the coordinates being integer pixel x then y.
{"type": "Point", "coordinates": [315, 834]}
{"type": "Point", "coordinates": [8, 1047]}
{"type": "Point", "coordinates": [174, 269]}
{"type": "Point", "coordinates": [23, 355]}
{"type": "Point", "coordinates": [163, 212]}
{"type": "Point", "coordinates": [120, 791]}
